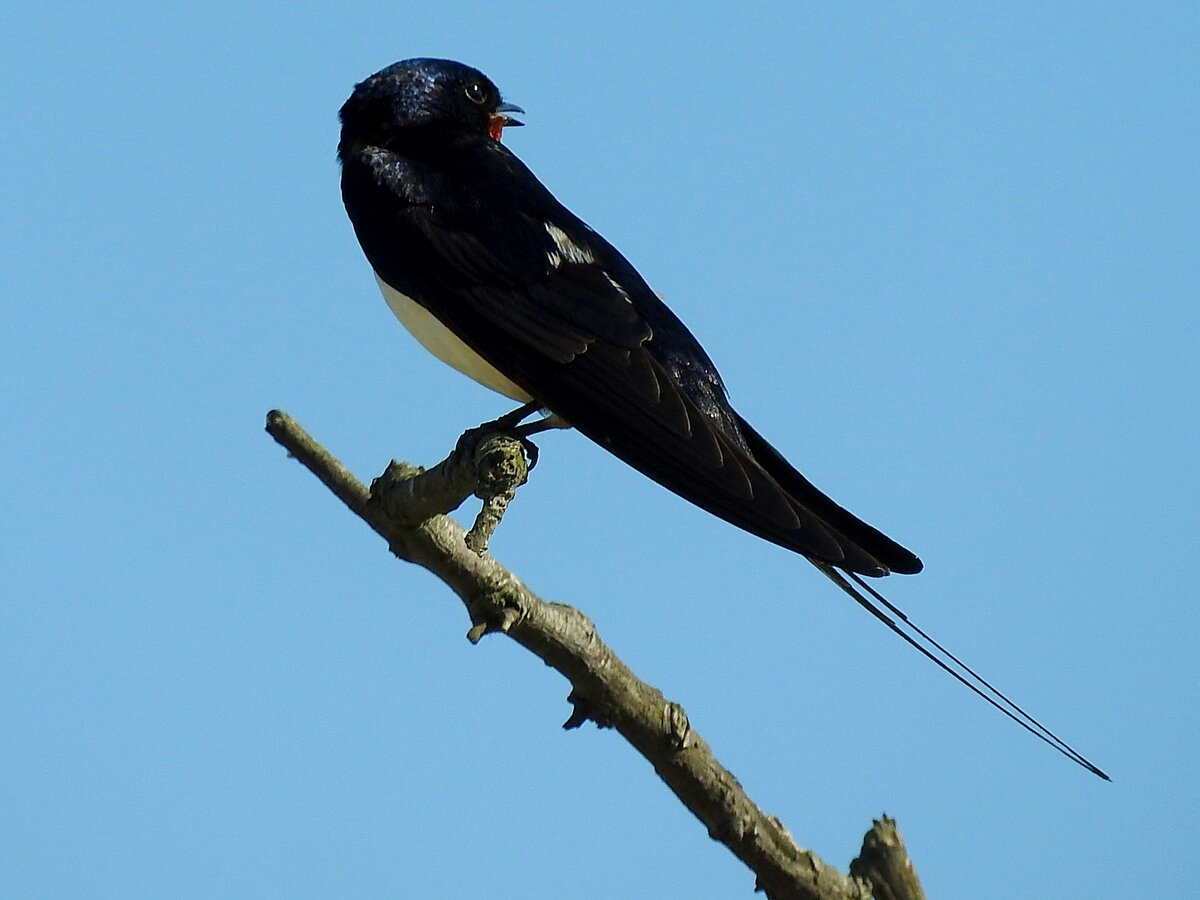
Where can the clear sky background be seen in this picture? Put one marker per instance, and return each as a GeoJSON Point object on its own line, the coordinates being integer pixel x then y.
{"type": "Point", "coordinates": [947, 258]}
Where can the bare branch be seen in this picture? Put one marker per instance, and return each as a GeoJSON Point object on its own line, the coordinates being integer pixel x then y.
{"type": "Point", "coordinates": [406, 506]}
{"type": "Point", "coordinates": [884, 863]}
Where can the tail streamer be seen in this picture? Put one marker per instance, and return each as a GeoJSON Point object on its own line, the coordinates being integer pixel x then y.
{"type": "Point", "coordinates": [875, 603]}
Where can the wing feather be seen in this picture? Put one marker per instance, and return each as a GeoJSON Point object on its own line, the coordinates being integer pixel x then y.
{"type": "Point", "coordinates": [556, 309]}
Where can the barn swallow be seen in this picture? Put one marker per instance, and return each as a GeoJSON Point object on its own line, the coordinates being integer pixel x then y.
{"type": "Point", "coordinates": [499, 280]}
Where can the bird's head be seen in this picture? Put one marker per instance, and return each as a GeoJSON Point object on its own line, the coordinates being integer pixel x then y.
{"type": "Point", "coordinates": [424, 93]}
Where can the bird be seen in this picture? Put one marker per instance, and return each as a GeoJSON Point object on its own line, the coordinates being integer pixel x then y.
{"type": "Point", "coordinates": [498, 279]}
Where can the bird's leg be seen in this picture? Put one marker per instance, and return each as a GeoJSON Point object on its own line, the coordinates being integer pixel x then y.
{"type": "Point", "coordinates": [551, 421]}
{"type": "Point", "coordinates": [522, 433]}
{"type": "Point", "coordinates": [509, 421]}
{"type": "Point", "coordinates": [498, 469]}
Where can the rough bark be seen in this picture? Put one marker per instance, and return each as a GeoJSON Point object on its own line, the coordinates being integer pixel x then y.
{"type": "Point", "coordinates": [884, 864]}
{"type": "Point", "coordinates": [407, 506]}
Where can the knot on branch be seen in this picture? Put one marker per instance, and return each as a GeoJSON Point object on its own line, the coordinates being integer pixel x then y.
{"type": "Point", "coordinates": [584, 710]}
{"type": "Point", "coordinates": [676, 726]}
{"type": "Point", "coordinates": [486, 463]}
{"type": "Point", "coordinates": [491, 615]}
{"type": "Point", "coordinates": [500, 469]}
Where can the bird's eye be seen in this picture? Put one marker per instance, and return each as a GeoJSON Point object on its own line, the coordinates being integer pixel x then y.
{"type": "Point", "coordinates": [476, 93]}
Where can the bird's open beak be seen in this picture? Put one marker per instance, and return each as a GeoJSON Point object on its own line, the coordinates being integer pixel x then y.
{"type": "Point", "coordinates": [499, 120]}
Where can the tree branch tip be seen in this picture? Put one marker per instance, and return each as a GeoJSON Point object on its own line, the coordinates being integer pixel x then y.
{"type": "Point", "coordinates": [576, 720]}
{"type": "Point", "coordinates": [490, 623]}
{"type": "Point", "coordinates": [884, 863]}
{"type": "Point", "coordinates": [278, 422]}
{"type": "Point", "coordinates": [580, 711]}
{"type": "Point", "coordinates": [584, 710]}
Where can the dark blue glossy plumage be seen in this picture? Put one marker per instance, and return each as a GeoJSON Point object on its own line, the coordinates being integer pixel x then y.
{"type": "Point", "coordinates": [449, 218]}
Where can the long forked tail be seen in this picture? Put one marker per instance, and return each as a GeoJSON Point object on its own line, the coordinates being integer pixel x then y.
{"type": "Point", "coordinates": [876, 604]}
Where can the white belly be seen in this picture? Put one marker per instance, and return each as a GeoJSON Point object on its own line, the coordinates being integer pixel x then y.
{"type": "Point", "coordinates": [441, 342]}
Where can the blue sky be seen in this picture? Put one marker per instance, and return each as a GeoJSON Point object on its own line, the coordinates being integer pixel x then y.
{"type": "Point", "coordinates": [946, 257]}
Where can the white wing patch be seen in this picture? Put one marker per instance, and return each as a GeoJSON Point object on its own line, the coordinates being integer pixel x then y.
{"type": "Point", "coordinates": [570, 252]}
{"type": "Point", "coordinates": [567, 250]}
{"type": "Point", "coordinates": [620, 290]}
{"type": "Point", "coordinates": [442, 343]}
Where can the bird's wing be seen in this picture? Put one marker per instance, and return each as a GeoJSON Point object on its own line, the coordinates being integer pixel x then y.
{"type": "Point", "coordinates": [554, 307]}
{"type": "Point", "coordinates": [561, 313]}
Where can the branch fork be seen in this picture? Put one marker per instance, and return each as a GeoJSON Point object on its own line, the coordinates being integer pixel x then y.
{"type": "Point", "coordinates": [407, 506]}
{"type": "Point", "coordinates": [487, 462]}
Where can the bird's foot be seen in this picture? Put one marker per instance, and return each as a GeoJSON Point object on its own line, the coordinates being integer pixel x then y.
{"type": "Point", "coordinates": [501, 467]}
{"type": "Point", "coordinates": [511, 420]}
{"type": "Point", "coordinates": [510, 424]}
